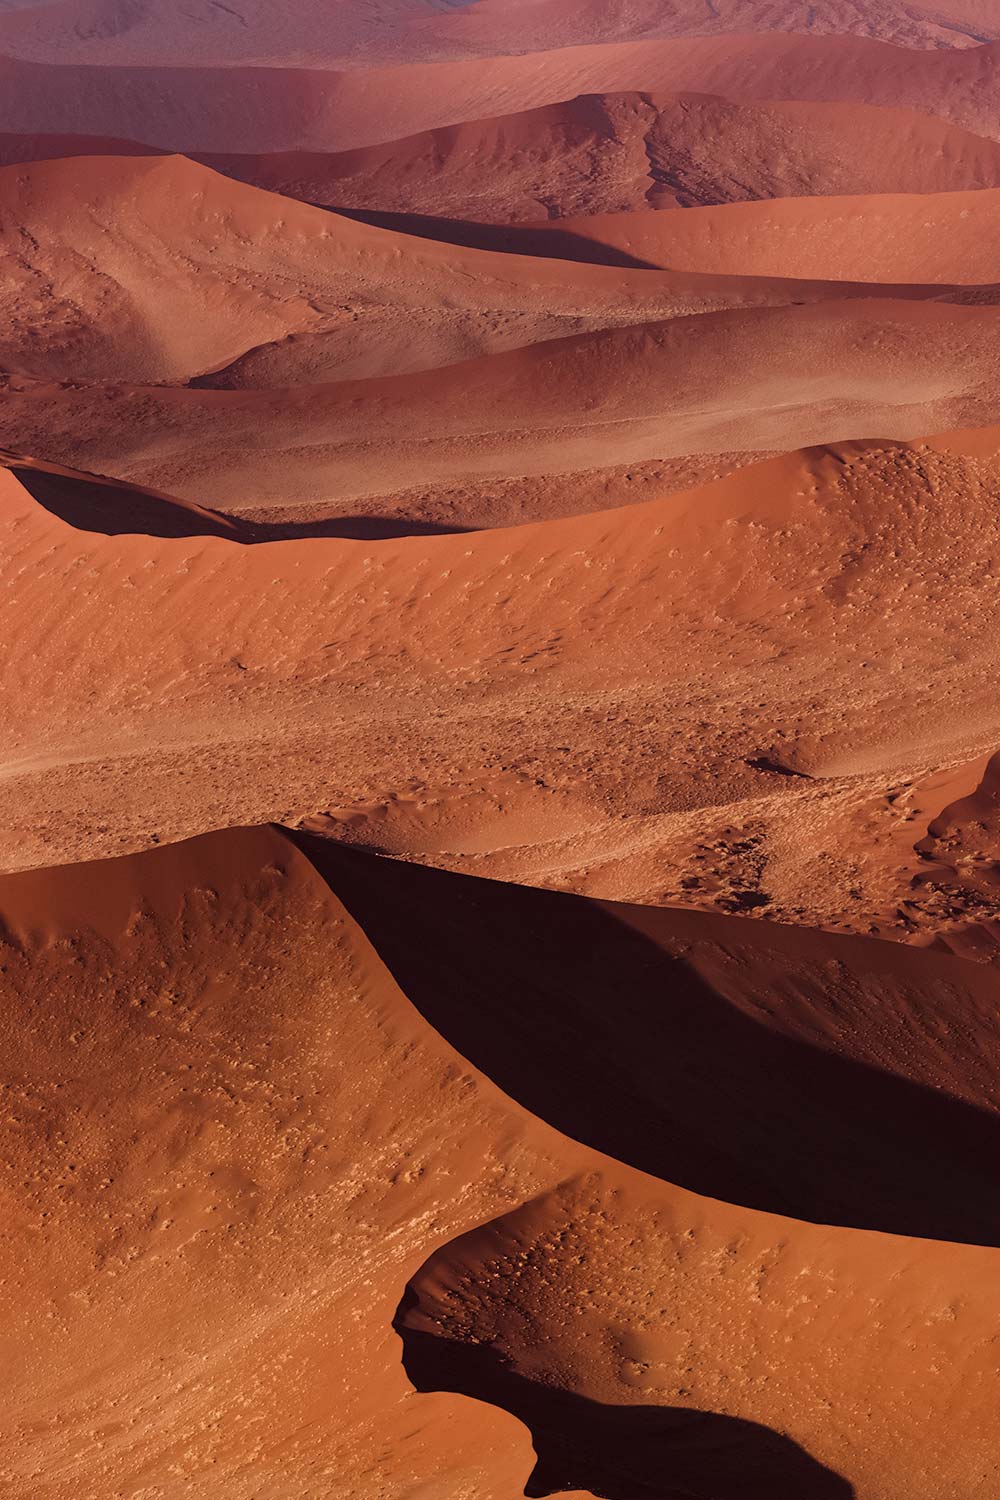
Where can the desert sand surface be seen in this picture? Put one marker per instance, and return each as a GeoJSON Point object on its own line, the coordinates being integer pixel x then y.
{"type": "Point", "coordinates": [499, 749]}
{"type": "Point", "coordinates": [924, 238]}
{"type": "Point", "coordinates": [642, 704]}
{"type": "Point", "coordinates": [234, 1070]}
{"type": "Point", "coordinates": [426, 447]}
{"type": "Point", "coordinates": [359, 32]}
{"type": "Point", "coordinates": [203, 107]}
{"type": "Point", "coordinates": [157, 269]}
{"type": "Point", "coordinates": [607, 154]}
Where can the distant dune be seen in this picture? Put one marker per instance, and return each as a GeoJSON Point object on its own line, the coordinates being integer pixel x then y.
{"type": "Point", "coordinates": [234, 1063]}
{"type": "Point", "coordinates": [238, 269]}
{"type": "Point", "coordinates": [720, 382]}
{"type": "Point", "coordinates": [611, 153]}
{"type": "Point", "coordinates": [607, 154]}
{"type": "Point", "coordinates": [206, 108]}
{"type": "Point", "coordinates": [360, 32]}
{"type": "Point", "coordinates": [943, 237]}
{"type": "Point", "coordinates": [205, 270]}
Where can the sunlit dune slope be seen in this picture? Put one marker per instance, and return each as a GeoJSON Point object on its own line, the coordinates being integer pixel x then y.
{"type": "Point", "coordinates": [355, 32]}
{"type": "Point", "coordinates": [722, 382]}
{"type": "Point", "coordinates": [921, 238]}
{"type": "Point", "coordinates": [156, 269]}
{"type": "Point", "coordinates": [730, 698]}
{"type": "Point", "coordinates": [607, 154]}
{"type": "Point", "coordinates": [234, 1064]}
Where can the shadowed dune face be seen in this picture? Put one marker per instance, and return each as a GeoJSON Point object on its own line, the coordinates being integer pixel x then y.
{"type": "Point", "coordinates": [724, 1059]}
{"type": "Point", "coordinates": [224, 1131]}
{"type": "Point", "coordinates": [620, 1452]}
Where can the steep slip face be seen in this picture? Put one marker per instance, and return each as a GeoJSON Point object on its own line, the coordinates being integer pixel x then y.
{"type": "Point", "coordinates": [231, 1139]}
{"type": "Point", "coordinates": [716, 383]}
{"type": "Point", "coordinates": [633, 688]}
{"type": "Point", "coordinates": [268, 109]}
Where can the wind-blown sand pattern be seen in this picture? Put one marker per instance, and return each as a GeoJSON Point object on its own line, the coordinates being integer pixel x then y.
{"type": "Point", "coordinates": [499, 749]}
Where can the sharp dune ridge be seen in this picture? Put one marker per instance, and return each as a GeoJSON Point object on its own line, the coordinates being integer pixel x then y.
{"type": "Point", "coordinates": [654, 775]}
{"type": "Point", "coordinates": [499, 749]}
{"type": "Point", "coordinates": [712, 383]}
{"type": "Point", "coordinates": [285, 1196]}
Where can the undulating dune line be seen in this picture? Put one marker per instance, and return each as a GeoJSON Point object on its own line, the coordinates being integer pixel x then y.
{"type": "Point", "coordinates": [608, 154]}
{"type": "Point", "coordinates": [233, 1066]}
{"type": "Point", "coordinates": [499, 749]}
{"type": "Point", "coordinates": [218, 108]}
{"type": "Point", "coordinates": [427, 447]}
{"type": "Point", "coordinates": [361, 32]}
{"type": "Point", "coordinates": [676, 702]}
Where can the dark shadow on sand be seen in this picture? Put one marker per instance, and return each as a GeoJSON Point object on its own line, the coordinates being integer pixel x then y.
{"type": "Point", "coordinates": [548, 243]}
{"type": "Point", "coordinates": [622, 1452]}
{"type": "Point", "coordinates": [620, 1043]}
{"type": "Point", "coordinates": [114, 509]}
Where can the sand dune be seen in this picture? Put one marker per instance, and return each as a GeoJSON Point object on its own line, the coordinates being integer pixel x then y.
{"type": "Point", "coordinates": [156, 269]}
{"type": "Point", "coordinates": [717, 383]}
{"type": "Point", "coordinates": [672, 702]}
{"type": "Point", "coordinates": [612, 153]}
{"type": "Point", "coordinates": [923, 238]}
{"type": "Point", "coordinates": [608, 154]}
{"type": "Point", "coordinates": [524, 473]}
{"type": "Point", "coordinates": [278, 109]}
{"type": "Point", "coordinates": [228, 1120]}
{"type": "Point", "coordinates": [618, 152]}
{"type": "Point", "coordinates": [357, 32]}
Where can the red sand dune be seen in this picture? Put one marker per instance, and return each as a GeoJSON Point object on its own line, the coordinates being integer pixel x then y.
{"type": "Point", "coordinates": [354, 33]}
{"type": "Point", "coordinates": [155, 269]}
{"type": "Point", "coordinates": [499, 525]}
{"type": "Point", "coordinates": [411, 446]}
{"type": "Point", "coordinates": [725, 698]}
{"type": "Point", "coordinates": [615, 152]}
{"type": "Point", "coordinates": [234, 1063]}
{"type": "Point", "coordinates": [921, 238]}
{"type": "Point", "coordinates": [273, 109]}
{"type": "Point", "coordinates": [607, 154]}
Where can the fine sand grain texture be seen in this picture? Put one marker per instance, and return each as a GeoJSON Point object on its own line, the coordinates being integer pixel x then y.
{"type": "Point", "coordinates": [715, 383]}
{"type": "Point", "coordinates": [232, 1068]}
{"type": "Point", "coordinates": [673, 702]}
{"type": "Point", "coordinates": [499, 749]}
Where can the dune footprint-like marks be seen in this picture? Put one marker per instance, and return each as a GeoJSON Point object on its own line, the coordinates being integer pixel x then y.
{"type": "Point", "coordinates": [834, 1079]}
{"type": "Point", "coordinates": [617, 1452]}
